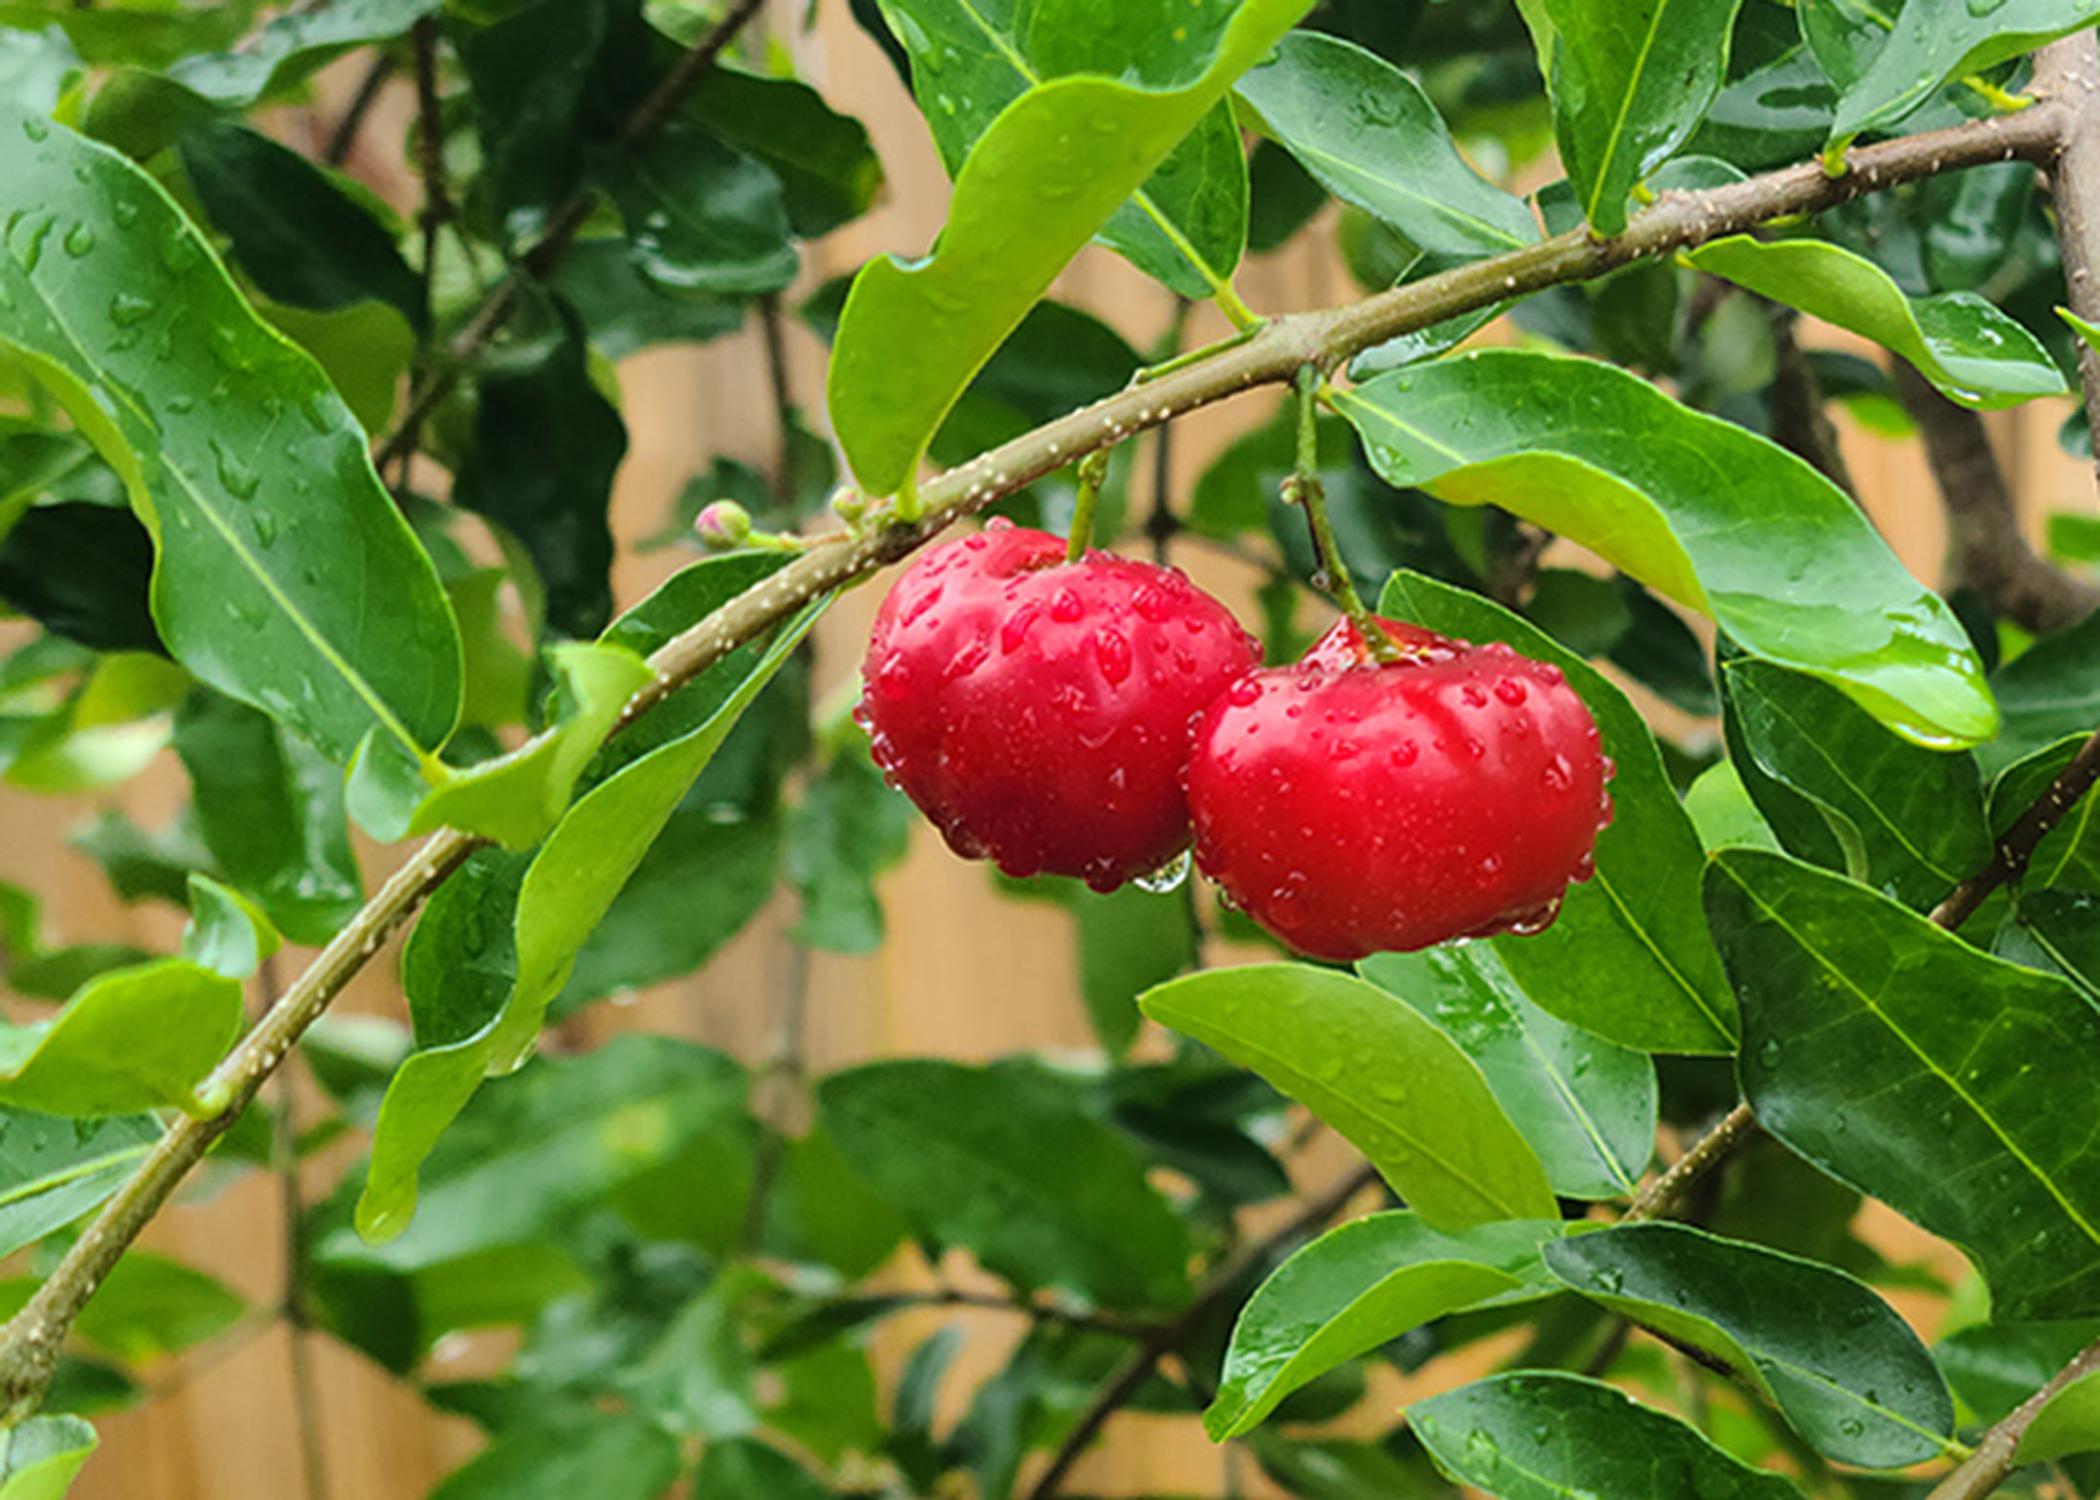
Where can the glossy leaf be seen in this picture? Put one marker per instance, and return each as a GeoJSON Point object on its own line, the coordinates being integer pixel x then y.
{"type": "Point", "coordinates": [1044, 176]}
{"type": "Point", "coordinates": [702, 216]}
{"type": "Point", "coordinates": [1839, 1363]}
{"type": "Point", "coordinates": [1700, 510]}
{"type": "Point", "coordinates": [42, 1457]}
{"type": "Point", "coordinates": [2068, 1423]}
{"type": "Point", "coordinates": [271, 812]}
{"type": "Point", "coordinates": [253, 476]}
{"type": "Point", "coordinates": [2048, 694]}
{"type": "Point", "coordinates": [1630, 80]}
{"type": "Point", "coordinates": [1357, 1287]}
{"type": "Point", "coordinates": [291, 46]}
{"type": "Point", "coordinates": [1994, 1367]}
{"type": "Point", "coordinates": [2065, 927]}
{"type": "Point", "coordinates": [1369, 1065]}
{"type": "Point", "coordinates": [848, 830]}
{"type": "Point", "coordinates": [1039, 1192]}
{"type": "Point", "coordinates": [546, 445]}
{"type": "Point", "coordinates": [828, 171]}
{"type": "Point", "coordinates": [227, 933]}
{"type": "Point", "coordinates": [1935, 40]}
{"type": "Point", "coordinates": [1910, 820]}
{"type": "Point", "coordinates": [969, 61]}
{"type": "Point", "coordinates": [1853, 1057]}
{"type": "Point", "coordinates": [129, 1040]}
{"type": "Point", "coordinates": [151, 1307]}
{"type": "Point", "coordinates": [1629, 958]}
{"type": "Point", "coordinates": [1587, 1107]}
{"type": "Point", "coordinates": [1973, 354]}
{"type": "Point", "coordinates": [299, 234]}
{"type": "Point", "coordinates": [1369, 135]}
{"type": "Point", "coordinates": [53, 1170]}
{"type": "Point", "coordinates": [562, 895]}
{"type": "Point", "coordinates": [1550, 1436]}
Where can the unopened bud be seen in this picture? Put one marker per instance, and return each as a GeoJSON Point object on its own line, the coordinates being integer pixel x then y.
{"type": "Point", "coordinates": [723, 525]}
{"type": "Point", "coordinates": [850, 506]}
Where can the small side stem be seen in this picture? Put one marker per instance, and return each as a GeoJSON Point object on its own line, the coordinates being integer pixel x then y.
{"type": "Point", "coordinates": [1093, 474]}
{"type": "Point", "coordinates": [1238, 313]}
{"type": "Point", "coordinates": [1305, 488]}
{"type": "Point", "coordinates": [1661, 1196]}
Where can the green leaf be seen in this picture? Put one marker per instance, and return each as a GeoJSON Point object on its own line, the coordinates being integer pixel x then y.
{"type": "Point", "coordinates": [970, 60]}
{"type": "Point", "coordinates": [151, 1307]}
{"type": "Point", "coordinates": [527, 1157]}
{"type": "Point", "coordinates": [702, 216]}
{"type": "Point", "coordinates": [697, 1379]}
{"type": "Point", "coordinates": [270, 810]}
{"type": "Point", "coordinates": [1550, 1436]}
{"type": "Point", "coordinates": [1721, 809]}
{"type": "Point", "coordinates": [827, 167]}
{"type": "Point", "coordinates": [84, 572]}
{"type": "Point", "coordinates": [625, 313]}
{"type": "Point", "coordinates": [1630, 81]}
{"type": "Point", "coordinates": [129, 1040]}
{"type": "Point", "coordinates": [1365, 1062]}
{"type": "Point", "coordinates": [1130, 939]}
{"type": "Point", "coordinates": [746, 1469]}
{"type": "Point", "coordinates": [580, 1452]}
{"type": "Point", "coordinates": [1629, 958]}
{"type": "Point", "coordinates": [1700, 510]}
{"type": "Point", "coordinates": [1586, 1106]}
{"type": "Point", "coordinates": [2068, 1423]}
{"type": "Point", "coordinates": [546, 446]}
{"type": "Point", "coordinates": [250, 472]}
{"type": "Point", "coordinates": [1910, 820]}
{"type": "Point", "coordinates": [2049, 693]}
{"type": "Point", "coordinates": [1972, 353]}
{"type": "Point", "coordinates": [1773, 115]}
{"type": "Point", "coordinates": [293, 45]}
{"type": "Point", "coordinates": [2065, 926]}
{"type": "Point", "coordinates": [227, 934]}
{"type": "Point", "coordinates": [1846, 1371]}
{"type": "Point", "coordinates": [563, 893]}
{"type": "Point", "coordinates": [364, 349]}
{"type": "Point", "coordinates": [1059, 160]}
{"type": "Point", "coordinates": [1935, 40]}
{"type": "Point", "coordinates": [848, 830]}
{"type": "Point", "coordinates": [516, 797]}
{"type": "Point", "coordinates": [1356, 1287]}
{"type": "Point", "coordinates": [1369, 135]}
{"type": "Point", "coordinates": [1014, 1171]}
{"type": "Point", "coordinates": [296, 231]}
{"type": "Point", "coordinates": [54, 1170]}
{"type": "Point", "coordinates": [1994, 1367]}
{"type": "Point", "coordinates": [1853, 1057]}
{"type": "Point", "coordinates": [820, 1213]}
{"type": "Point", "coordinates": [40, 1458]}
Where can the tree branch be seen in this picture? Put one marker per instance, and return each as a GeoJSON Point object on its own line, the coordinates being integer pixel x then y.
{"type": "Point", "coordinates": [488, 319]}
{"type": "Point", "coordinates": [344, 136]}
{"type": "Point", "coordinates": [1800, 422]}
{"type": "Point", "coordinates": [1992, 1463]}
{"type": "Point", "coordinates": [29, 1342]}
{"type": "Point", "coordinates": [2068, 74]}
{"type": "Point", "coordinates": [1985, 550]}
{"type": "Point", "coordinates": [1219, 1285]}
{"type": "Point", "coordinates": [1662, 1195]}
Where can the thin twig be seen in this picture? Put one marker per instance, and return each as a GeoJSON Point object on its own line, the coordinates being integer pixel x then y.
{"type": "Point", "coordinates": [30, 1340]}
{"type": "Point", "coordinates": [1993, 1461]}
{"type": "Point", "coordinates": [1800, 421]}
{"type": "Point", "coordinates": [495, 310]}
{"type": "Point", "coordinates": [1662, 1195]}
{"type": "Point", "coordinates": [1219, 1285]}
{"type": "Point", "coordinates": [2009, 859]}
{"type": "Point", "coordinates": [344, 136]}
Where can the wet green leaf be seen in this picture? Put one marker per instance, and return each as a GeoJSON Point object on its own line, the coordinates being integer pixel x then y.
{"type": "Point", "coordinates": [606, 1456]}
{"type": "Point", "coordinates": [1629, 958]}
{"type": "Point", "coordinates": [128, 1040]}
{"type": "Point", "coordinates": [848, 830]}
{"type": "Point", "coordinates": [1972, 353]}
{"type": "Point", "coordinates": [1844, 1368]}
{"type": "Point", "coordinates": [227, 933]}
{"type": "Point", "coordinates": [1041, 1193]}
{"type": "Point", "coordinates": [1909, 820]}
{"type": "Point", "coordinates": [1549, 1436]}
{"type": "Point", "coordinates": [1587, 1107]}
{"type": "Point", "coordinates": [1365, 1062]}
{"type": "Point", "coordinates": [2065, 927]}
{"type": "Point", "coordinates": [1369, 135]}
{"type": "Point", "coordinates": [53, 1170]}
{"type": "Point", "coordinates": [1670, 496]}
{"type": "Point", "coordinates": [2068, 1423]}
{"type": "Point", "coordinates": [1993, 1367]}
{"type": "Point", "coordinates": [827, 168]}
{"type": "Point", "coordinates": [43, 1456]}
{"type": "Point", "coordinates": [1357, 1287]}
{"type": "Point", "coordinates": [1043, 177]}
{"type": "Point", "coordinates": [252, 474]}
{"type": "Point", "coordinates": [291, 46]}
{"type": "Point", "coordinates": [2049, 693]}
{"type": "Point", "coordinates": [1853, 1057]}
{"type": "Point", "coordinates": [702, 216]}
{"type": "Point", "coordinates": [1630, 80]}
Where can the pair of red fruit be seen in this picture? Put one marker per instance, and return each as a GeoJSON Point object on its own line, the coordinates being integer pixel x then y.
{"type": "Point", "coordinates": [1081, 718]}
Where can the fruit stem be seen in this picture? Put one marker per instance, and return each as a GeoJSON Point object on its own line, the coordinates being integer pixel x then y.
{"type": "Point", "coordinates": [1306, 488]}
{"type": "Point", "coordinates": [1093, 473]}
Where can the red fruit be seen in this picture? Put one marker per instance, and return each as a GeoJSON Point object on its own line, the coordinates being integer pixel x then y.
{"type": "Point", "coordinates": [1353, 807]}
{"type": "Point", "coordinates": [1038, 711]}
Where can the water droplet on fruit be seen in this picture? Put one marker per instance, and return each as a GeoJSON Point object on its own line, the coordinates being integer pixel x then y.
{"type": "Point", "coordinates": [1244, 693]}
{"type": "Point", "coordinates": [1606, 811]}
{"type": "Point", "coordinates": [999, 523]}
{"type": "Point", "coordinates": [967, 660]}
{"type": "Point", "coordinates": [1112, 651]}
{"type": "Point", "coordinates": [1474, 748]}
{"type": "Point", "coordinates": [920, 605]}
{"type": "Point", "coordinates": [1474, 697]}
{"type": "Point", "coordinates": [1066, 607]}
{"type": "Point", "coordinates": [1151, 603]}
{"type": "Point", "coordinates": [1509, 690]}
{"type": "Point", "coordinates": [1489, 869]}
{"type": "Point", "coordinates": [1404, 754]}
{"type": "Point", "coordinates": [1559, 775]}
{"type": "Point", "coordinates": [1015, 631]}
{"type": "Point", "coordinates": [1170, 876]}
{"type": "Point", "coordinates": [976, 542]}
{"type": "Point", "coordinates": [1585, 867]}
{"type": "Point", "coordinates": [1550, 674]}
{"type": "Point", "coordinates": [1610, 766]}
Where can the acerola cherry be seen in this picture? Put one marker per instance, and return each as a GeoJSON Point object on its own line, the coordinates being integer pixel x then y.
{"type": "Point", "coordinates": [1038, 711]}
{"type": "Point", "coordinates": [1354, 807]}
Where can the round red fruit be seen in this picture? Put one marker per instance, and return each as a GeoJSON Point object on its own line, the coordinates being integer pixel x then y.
{"type": "Point", "coordinates": [1038, 710]}
{"type": "Point", "coordinates": [1353, 807]}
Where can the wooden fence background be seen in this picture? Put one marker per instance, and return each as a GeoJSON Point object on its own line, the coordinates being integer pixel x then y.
{"type": "Point", "coordinates": [964, 974]}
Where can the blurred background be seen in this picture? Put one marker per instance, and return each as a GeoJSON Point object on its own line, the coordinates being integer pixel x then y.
{"type": "Point", "coordinates": [966, 972]}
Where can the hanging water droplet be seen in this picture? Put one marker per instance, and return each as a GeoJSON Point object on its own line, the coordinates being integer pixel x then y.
{"type": "Point", "coordinates": [1170, 876]}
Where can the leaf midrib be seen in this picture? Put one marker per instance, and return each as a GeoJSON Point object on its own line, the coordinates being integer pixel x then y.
{"type": "Point", "coordinates": [1618, 128]}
